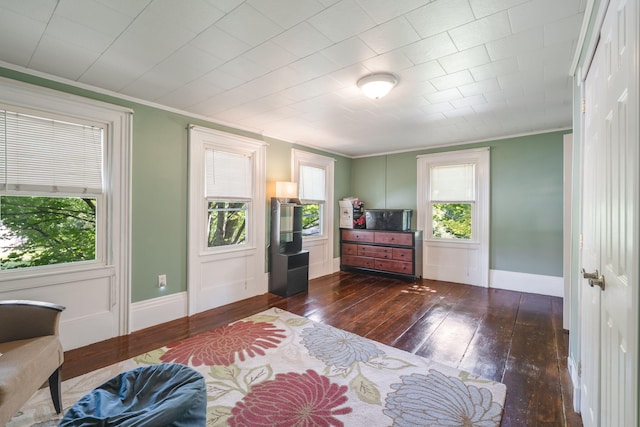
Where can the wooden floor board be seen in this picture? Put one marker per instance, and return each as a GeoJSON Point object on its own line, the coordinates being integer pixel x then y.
{"type": "Point", "coordinates": [512, 337]}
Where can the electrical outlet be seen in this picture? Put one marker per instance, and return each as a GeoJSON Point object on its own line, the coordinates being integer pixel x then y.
{"type": "Point", "coordinates": [162, 280]}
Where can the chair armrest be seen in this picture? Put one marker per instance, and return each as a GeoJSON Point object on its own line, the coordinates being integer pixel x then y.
{"type": "Point", "coordinates": [22, 319]}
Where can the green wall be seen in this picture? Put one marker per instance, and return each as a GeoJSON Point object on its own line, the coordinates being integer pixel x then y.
{"type": "Point", "coordinates": [526, 197]}
{"type": "Point", "coordinates": [160, 191]}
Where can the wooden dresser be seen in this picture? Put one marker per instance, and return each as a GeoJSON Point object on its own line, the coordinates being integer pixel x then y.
{"type": "Point", "coordinates": [391, 252]}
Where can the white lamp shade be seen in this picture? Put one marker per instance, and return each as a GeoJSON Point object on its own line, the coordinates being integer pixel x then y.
{"type": "Point", "coordinates": [286, 190]}
{"type": "Point", "coordinates": [377, 85]}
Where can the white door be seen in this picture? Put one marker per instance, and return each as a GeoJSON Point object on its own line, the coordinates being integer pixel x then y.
{"type": "Point", "coordinates": [453, 212]}
{"type": "Point", "coordinates": [610, 229]}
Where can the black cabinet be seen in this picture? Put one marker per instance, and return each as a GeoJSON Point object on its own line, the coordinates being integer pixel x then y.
{"type": "Point", "coordinates": [288, 263]}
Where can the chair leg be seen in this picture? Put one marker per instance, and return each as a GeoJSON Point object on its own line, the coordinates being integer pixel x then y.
{"type": "Point", "coordinates": [54, 387]}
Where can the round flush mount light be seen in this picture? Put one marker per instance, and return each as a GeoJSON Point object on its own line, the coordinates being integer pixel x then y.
{"type": "Point", "coordinates": [377, 85]}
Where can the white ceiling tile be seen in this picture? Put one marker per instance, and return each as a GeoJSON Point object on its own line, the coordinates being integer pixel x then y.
{"type": "Point", "coordinates": [468, 101]}
{"type": "Point", "coordinates": [348, 52]}
{"type": "Point", "coordinates": [112, 71]}
{"type": "Point", "coordinates": [313, 88]}
{"type": "Point", "coordinates": [390, 35]}
{"type": "Point", "coordinates": [443, 96]}
{"type": "Point", "coordinates": [536, 13]}
{"type": "Point", "coordinates": [270, 56]}
{"type": "Point", "coordinates": [185, 64]}
{"type": "Point", "coordinates": [482, 8]}
{"type": "Point", "coordinates": [504, 94]}
{"type": "Point", "coordinates": [287, 14]}
{"type": "Point", "coordinates": [225, 5]}
{"type": "Point", "coordinates": [190, 94]}
{"type": "Point", "coordinates": [313, 66]}
{"type": "Point", "coordinates": [494, 69]}
{"type": "Point", "coordinates": [385, 10]}
{"type": "Point", "coordinates": [220, 44]}
{"type": "Point", "coordinates": [394, 61]}
{"type": "Point", "coordinates": [197, 15]}
{"type": "Point", "coordinates": [247, 24]}
{"type": "Point", "coordinates": [19, 37]}
{"type": "Point", "coordinates": [131, 8]}
{"type": "Point", "coordinates": [439, 16]}
{"type": "Point", "coordinates": [562, 30]}
{"type": "Point", "coordinates": [35, 10]}
{"type": "Point", "coordinates": [516, 44]}
{"type": "Point", "coordinates": [243, 68]}
{"type": "Point", "coordinates": [221, 79]}
{"type": "Point", "coordinates": [151, 86]}
{"type": "Point", "coordinates": [423, 72]}
{"type": "Point", "coordinates": [94, 16]}
{"type": "Point", "coordinates": [61, 59]}
{"type": "Point", "coordinates": [342, 20]}
{"type": "Point", "coordinates": [481, 87]}
{"type": "Point", "coordinates": [464, 60]}
{"type": "Point", "coordinates": [482, 31]}
{"type": "Point", "coordinates": [302, 40]}
{"type": "Point", "coordinates": [430, 48]}
{"type": "Point", "coordinates": [77, 34]}
{"type": "Point", "coordinates": [452, 80]}
{"type": "Point", "coordinates": [437, 108]}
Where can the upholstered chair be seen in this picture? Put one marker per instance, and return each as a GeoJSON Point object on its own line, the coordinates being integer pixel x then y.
{"type": "Point", "coordinates": [31, 353]}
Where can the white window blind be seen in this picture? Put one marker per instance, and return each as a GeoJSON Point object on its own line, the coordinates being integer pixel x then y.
{"type": "Point", "coordinates": [453, 183]}
{"type": "Point", "coordinates": [47, 155]}
{"type": "Point", "coordinates": [228, 175]}
{"type": "Point", "coordinates": [312, 183]}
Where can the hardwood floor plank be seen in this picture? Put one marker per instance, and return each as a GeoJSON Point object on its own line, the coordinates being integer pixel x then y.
{"type": "Point", "coordinates": [512, 337]}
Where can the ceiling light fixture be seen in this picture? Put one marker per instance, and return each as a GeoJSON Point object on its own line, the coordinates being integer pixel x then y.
{"type": "Point", "coordinates": [377, 85]}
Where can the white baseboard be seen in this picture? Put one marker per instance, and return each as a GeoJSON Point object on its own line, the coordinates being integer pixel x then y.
{"type": "Point", "coordinates": [575, 380]}
{"type": "Point", "coordinates": [336, 265]}
{"type": "Point", "coordinates": [158, 310]}
{"type": "Point", "coordinates": [525, 282]}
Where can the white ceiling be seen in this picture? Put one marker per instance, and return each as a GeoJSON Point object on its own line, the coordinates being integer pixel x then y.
{"type": "Point", "coordinates": [467, 69]}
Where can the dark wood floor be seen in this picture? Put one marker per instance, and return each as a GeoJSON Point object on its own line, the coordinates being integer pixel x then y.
{"type": "Point", "coordinates": [511, 337]}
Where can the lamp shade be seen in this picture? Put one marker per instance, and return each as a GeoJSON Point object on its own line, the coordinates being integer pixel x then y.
{"type": "Point", "coordinates": [286, 190]}
{"type": "Point", "coordinates": [377, 85]}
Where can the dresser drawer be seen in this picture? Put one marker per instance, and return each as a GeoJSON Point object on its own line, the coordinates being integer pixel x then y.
{"type": "Point", "coordinates": [394, 266]}
{"type": "Point", "coordinates": [403, 254]}
{"type": "Point", "coordinates": [357, 235]}
{"type": "Point", "coordinates": [375, 251]}
{"type": "Point", "coordinates": [358, 261]}
{"type": "Point", "coordinates": [404, 239]}
{"type": "Point", "coordinates": [349, 249]}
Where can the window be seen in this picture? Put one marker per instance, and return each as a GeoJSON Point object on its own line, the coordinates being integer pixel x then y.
{"type": "Point", "coordinates": [228, 192]}
{"type": "Point", "coordinates": [452, 200]}
{"type": "Point", "coordinates": [314, 174]}
{"type": "Point", "coordinates": [51, 189]}
{"type": "Point", "coordinates": [312, 196]}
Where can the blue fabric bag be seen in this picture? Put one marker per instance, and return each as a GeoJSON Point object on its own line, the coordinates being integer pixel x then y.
{"type": "Point", "coordinates": [158, 395]}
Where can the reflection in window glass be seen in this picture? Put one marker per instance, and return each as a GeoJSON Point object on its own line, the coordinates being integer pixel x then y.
{"type": "Point", "coordinates": [37, 231]}
{"type": "Point", "coordinates": [452, 220]}
{"type": "Point", "coordinates": [227, 223]}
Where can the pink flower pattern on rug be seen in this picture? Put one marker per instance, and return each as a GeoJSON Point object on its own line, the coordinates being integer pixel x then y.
{"type": "Point", "coordinates": [292, 399]}
{"type": "Point", "coordinates": [220, 346]}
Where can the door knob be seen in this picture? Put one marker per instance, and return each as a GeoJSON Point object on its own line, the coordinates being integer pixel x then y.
{"type": "Point", "coordinates": [597, 282]}
{"type": "Point", "coordinates": [586, 275]}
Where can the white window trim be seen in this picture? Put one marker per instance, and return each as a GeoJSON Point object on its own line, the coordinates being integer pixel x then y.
{"type": "Point", "coordinates": [113, 255]}
{"type": "Point", "coordinates": [480, 234]}
{"type": "Point", "coordinates": [199, 253]}
{"type": "Point", "coordinates": [306, 158]}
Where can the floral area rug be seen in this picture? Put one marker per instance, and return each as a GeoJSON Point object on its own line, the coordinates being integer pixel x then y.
{"type": "Point", "coordinates": [279, 369]}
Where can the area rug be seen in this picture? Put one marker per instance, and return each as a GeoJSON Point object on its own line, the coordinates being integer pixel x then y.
{"type": "Point", "coordinates": [279, 369]}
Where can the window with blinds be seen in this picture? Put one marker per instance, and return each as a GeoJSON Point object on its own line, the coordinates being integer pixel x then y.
{"type": "Point", "coordinates": [51, 183]}
{"type": "Point", "coordinates": [228, 190]}
{"type": "Point", "coordinates": [452, 196]}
